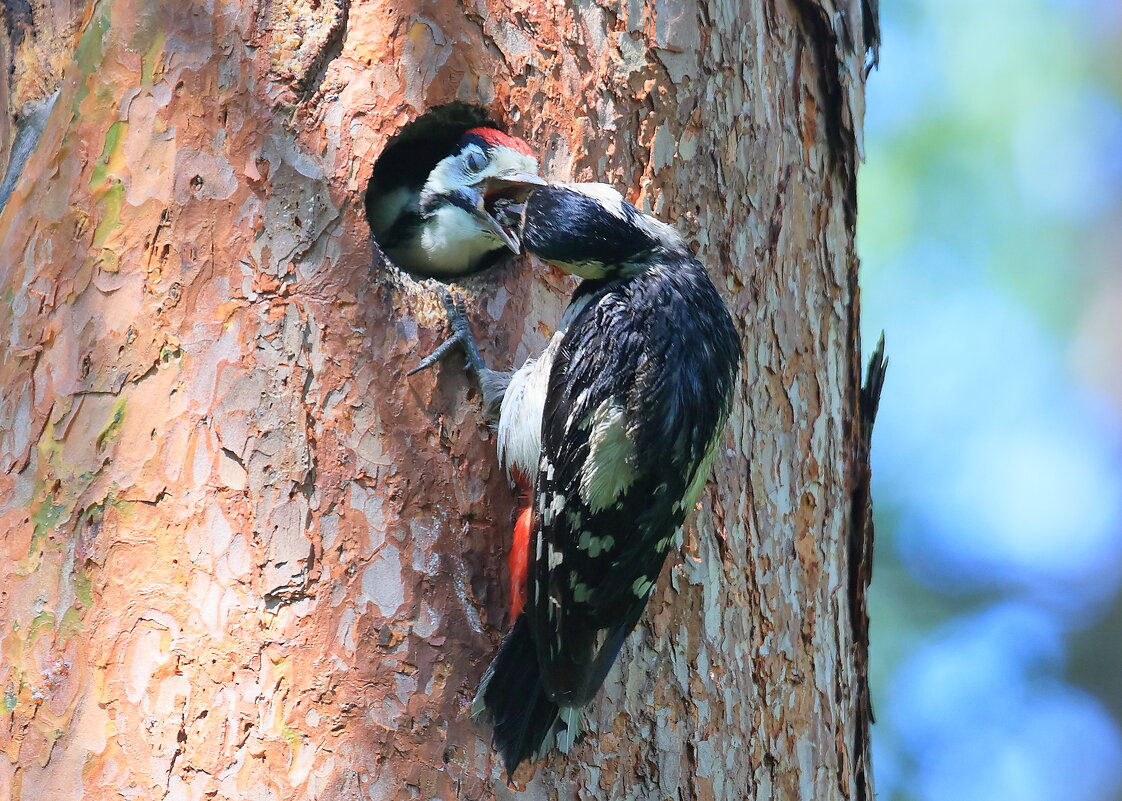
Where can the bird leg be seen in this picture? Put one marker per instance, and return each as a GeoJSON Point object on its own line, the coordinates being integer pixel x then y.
{"type": "Point", "coordinates": [492, 383]}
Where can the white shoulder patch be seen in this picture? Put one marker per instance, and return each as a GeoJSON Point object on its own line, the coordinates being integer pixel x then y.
{"type": "Point", "coordinates": [610, 468]}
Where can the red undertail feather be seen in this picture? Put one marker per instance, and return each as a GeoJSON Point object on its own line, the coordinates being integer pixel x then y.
{"type": "Point", "coordinates": [520, 560]}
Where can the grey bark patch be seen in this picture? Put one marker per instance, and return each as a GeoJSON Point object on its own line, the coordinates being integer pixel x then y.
{"type": "Point", "coordinates": [30, 122]}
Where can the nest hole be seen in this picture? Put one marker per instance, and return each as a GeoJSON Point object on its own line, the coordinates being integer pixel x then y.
{"type": "Point", "coordinates": [402, 168]}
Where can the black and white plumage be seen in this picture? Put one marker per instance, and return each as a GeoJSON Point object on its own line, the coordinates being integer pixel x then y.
{"type": "Point", "coordinates": [441, 224]}
{"type": "Point", "coordinates": [617, 422]}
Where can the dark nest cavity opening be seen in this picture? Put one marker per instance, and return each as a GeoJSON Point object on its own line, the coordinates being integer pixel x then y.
{"type": "Point", "coordinates": [402, 168]}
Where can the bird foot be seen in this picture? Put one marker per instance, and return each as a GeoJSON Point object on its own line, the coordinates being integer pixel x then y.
{"type": "Point", "coordinates": [492, 384]}
{"type": "Point", "coordinates": [461, 335]}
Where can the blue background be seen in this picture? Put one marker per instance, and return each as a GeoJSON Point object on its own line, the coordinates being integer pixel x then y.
{"type": "Point", "coordinates": [990, 231]}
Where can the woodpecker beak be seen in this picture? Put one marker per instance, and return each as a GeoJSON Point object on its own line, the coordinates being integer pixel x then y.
{"type": "Point", "coordinates": [521, 182]}
{"type": "Point", "coordinates": [500, 204]}
{"type": "Point", "coordinates": [488, 220]}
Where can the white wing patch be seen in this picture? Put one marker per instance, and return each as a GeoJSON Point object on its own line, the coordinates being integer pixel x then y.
{"type": "Point", "coordinates": [553, 509]}
{"type": "Point", "coordinates": [610, 468]}
{"type": "Point", "coordinates": [595, 545]}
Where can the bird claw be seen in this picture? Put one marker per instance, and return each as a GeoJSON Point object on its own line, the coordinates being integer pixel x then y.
{"type": "Point", "coordinates": [456, 310]}
{"type": "Point", "coordinates": [435, 356]}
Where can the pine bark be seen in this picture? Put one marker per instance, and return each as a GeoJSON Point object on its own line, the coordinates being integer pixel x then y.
{"type": "Point", "coordinates": [243, 557]}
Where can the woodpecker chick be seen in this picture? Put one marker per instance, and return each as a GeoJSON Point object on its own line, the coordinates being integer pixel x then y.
{"type": "Point", "coordinates": [445, 226]}
{"type": "Point", "coordinates": [616, 425]}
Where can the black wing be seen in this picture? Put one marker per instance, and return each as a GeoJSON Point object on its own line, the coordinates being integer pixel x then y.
{"type": "Point", "coordinates": [638, 394]}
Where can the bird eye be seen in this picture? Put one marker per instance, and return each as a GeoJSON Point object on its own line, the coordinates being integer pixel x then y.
{"type": "Point", "coordinates": [476, 160]}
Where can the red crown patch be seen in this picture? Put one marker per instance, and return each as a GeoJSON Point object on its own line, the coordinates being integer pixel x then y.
{"type": "Point", "coordinates": [496, 138]}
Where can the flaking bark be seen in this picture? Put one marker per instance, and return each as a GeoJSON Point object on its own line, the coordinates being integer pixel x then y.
{"type": "Point", "coordinates": [245, 558]}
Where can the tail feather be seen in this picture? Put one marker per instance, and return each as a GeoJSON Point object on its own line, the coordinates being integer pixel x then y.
{"type": "Point", "coordinates": [569, 728]}
{"type": "Point", "coordinates": [512, 697]}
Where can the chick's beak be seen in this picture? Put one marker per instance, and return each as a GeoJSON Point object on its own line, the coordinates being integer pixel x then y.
{"type": "Point", "coordinates": [490, 223]}
{"type": "Point", "coordinates": [500, 201]}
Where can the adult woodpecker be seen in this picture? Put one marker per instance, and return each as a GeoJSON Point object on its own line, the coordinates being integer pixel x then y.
{"type": "Point", "coordinates": [616, 423]}
{"type": "Point", "coordinates": [443, 226]}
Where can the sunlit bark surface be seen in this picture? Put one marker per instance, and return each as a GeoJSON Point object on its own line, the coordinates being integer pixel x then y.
{"type": "Point", "coordinates": [243, 556]}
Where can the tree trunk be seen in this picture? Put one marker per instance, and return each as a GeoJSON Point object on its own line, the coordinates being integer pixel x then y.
{"type": "Point", "coordinates": [244, 557]}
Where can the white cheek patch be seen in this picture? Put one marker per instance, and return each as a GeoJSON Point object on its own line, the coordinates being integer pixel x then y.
{"type": "Point", "coordinates": [453, 172]}
{"type": "Point", "coordinates": [610, 468]}
{"type": "Point", "coordinates": [505, 159]}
